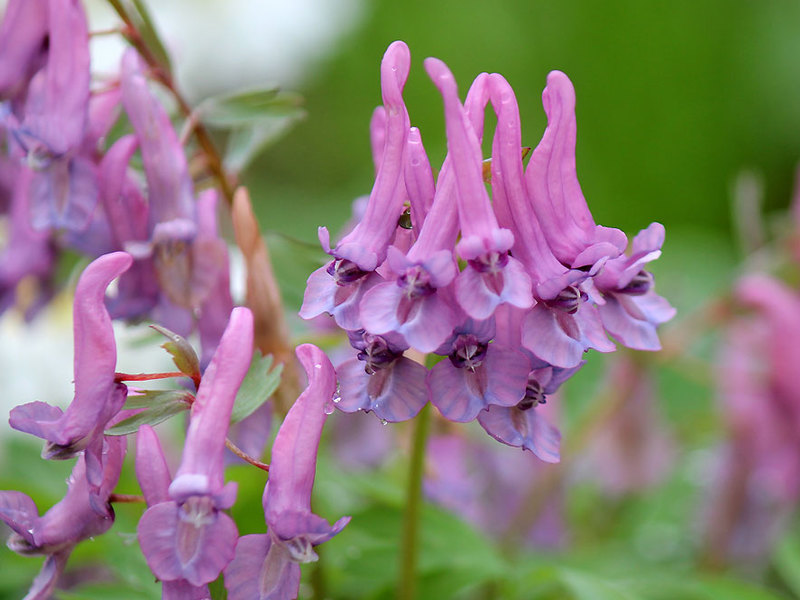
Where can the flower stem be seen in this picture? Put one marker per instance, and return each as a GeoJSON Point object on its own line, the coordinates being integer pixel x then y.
{"type": "Point", "coordinates": [244, 456]}
{"type": "Point", "coordinates": [120, 377]}
{"type": "Point", "coordinates": [407, 583]}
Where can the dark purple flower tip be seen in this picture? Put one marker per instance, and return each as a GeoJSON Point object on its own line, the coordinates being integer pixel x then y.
{"type": "Point", "coordinates": [394, 393]}
{"type": "Point", "coordinates": [192, 540]}
{"type": "Point", "coordinates": [522, 428]}
{"type": "Point", "coordinates": [568, 300]}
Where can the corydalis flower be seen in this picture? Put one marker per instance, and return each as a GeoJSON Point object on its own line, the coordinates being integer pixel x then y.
{"type": "Point", "coordinates": [188, 537]}
{"type": "Point", "coordinates": [267, 566]}
{"type": "Point", "coordinates": [80, 515]}
{"type": "Point", "coordinates": [97, 396]}
{"type": "Point", "coordinates": [556, 193]}
{"type": "Point", "coordinates": [380, 379]}
{"type": "Point", "coordinates": [337, 287]}
{"type": "Point", "coordinates": [630, 309]}
{"type": "Point", "coordinates": [477, 374]}
{"type": "Point", "coordinates": [491, 276]}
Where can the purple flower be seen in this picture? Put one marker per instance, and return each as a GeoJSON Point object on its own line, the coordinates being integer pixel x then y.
{"type": "Point", "coordinates": [267, 566]}
{"type": "Point", "coordinates": [22, 44]}
{"type": "Point", "coordinates": [153, 475]}
{"type": "Point", "coordinates": [98, 397]}
{"type": "Point", "coordinates": [187, 263]}
{"type": "Point", "coordinates": [381, 379]}
{"type": "Point", "coordinates": [188, 537]}
{"type": "Point", "coordinates": [563, 325]}
{"type": "Point", "coordinates": [523, 425]}
{"type": "Point", "coordinates": [27, 254]}
{"type": "Point", "coordinates": [409, 305]}
{"type": "Point", "coordinates": [338, 287]}
{"type": "Point", "coordinates": [78, 516]}
{"type": "Point", "coordinates": [477, 375]}
{"type": "Point", "coordinates": [556, 194]}
{"type": "Point", "coordinates": [631, 310]}
{"type": "Point", "coordinates": [491, 277]}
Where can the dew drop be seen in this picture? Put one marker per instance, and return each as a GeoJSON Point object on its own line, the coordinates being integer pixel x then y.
{"type": "Point", "coordinates": [329, 407]}
{"type": "Point", "coordinates": [384, 422]}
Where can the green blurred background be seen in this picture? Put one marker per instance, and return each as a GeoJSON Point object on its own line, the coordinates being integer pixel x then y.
{"type": "Point", "coordinates": [673, 100]}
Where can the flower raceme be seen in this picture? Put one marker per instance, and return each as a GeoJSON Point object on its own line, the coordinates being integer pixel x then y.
{"type": "Point", "coordinates": [512, 289]}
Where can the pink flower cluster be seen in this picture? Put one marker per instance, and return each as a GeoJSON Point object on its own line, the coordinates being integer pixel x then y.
{"type": "Point", "coordinates": [510, 288]}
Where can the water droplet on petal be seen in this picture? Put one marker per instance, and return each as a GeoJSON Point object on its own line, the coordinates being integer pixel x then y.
{"type": "Point", "coordinates": [318, 366]}
{"type": "Point", "coordinates": [384, 422]}
{"type": "Point", "coordinates": [329, 407]}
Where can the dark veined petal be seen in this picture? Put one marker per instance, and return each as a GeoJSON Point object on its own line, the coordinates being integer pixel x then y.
{"type": "Point", "coordinates": [261, 570]}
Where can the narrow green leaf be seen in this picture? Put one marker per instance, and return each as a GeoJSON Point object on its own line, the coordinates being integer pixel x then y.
{"type": "Point", "coordinates": [586, 586]}
{"type": "Point", "coordinates": [787, 563]}
{"type": "Point", "coordinates": [245, 107]}
{"type": "Point", "coordinates": [144, 23]}
{"type": "Point", "coordinates": [152, 398]}
{"type": "Point", "coordinates": [258, 385]}
{"type": "Point", "coordinates": [183, 354]}
{"type": "Point", "coordinates": [149, 416]}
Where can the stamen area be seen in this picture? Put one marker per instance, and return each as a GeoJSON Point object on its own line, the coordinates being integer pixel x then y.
{"type": "Point", "coordinates": [640, 284]}
{"type": "Point", "coordinates": [416, 283]}
{"type": "Point", "coordinates": [377, 354]}
{"type": "Point", "coordinates": [534, 395]}
{"type": "Point", "coordinates": [568, 300]}
{"type": "Point", "coordinates": [468, 352]}
{"type": "Point", "coordinates": [345, 272]}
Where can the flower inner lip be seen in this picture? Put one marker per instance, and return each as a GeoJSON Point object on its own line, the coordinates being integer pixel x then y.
{"type": "Point", "coordinates": [641, 283]}
{"type": "Point", "coordinates": [344, 271]}
{"type": "Point", "coordinates": [568, 300]}
{"type": "Point", "coordinates": [468, 352]}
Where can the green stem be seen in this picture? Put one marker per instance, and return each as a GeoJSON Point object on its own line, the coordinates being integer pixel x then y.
{"type": "Point", "coordinates": [407, 583]}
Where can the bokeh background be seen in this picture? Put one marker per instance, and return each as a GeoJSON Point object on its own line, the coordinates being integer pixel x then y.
{"type": "Point", "coordinates": [676, 103]}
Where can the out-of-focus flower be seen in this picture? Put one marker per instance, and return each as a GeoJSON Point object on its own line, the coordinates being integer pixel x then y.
{"type": "Point", "coordinates": [758, 484]}
{"type": "Point", "coordinates": [188, 536]}
{"type": "Point", "coordinates": [267, 566]}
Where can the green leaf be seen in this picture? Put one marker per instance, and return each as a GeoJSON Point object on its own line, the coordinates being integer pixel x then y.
{"type": "Point", "coordinates": [183, 355]}
{"type": "Point", "coordinates": [245, 143]}
{"type": "Point", "coordinates": [150, 416]}
{"type": "Point", "coordinates": [258, 385]}
{"type": "Point", "coordinates": [787, 563]}
{"type": "Point", "coordinates": [151, 398]}
{"type": "Point", "coordinates": [585, 586]}
{"type": "Point", "coordinates": [244, 107]}
{"type": "Point", "coordinates": [143, 22]}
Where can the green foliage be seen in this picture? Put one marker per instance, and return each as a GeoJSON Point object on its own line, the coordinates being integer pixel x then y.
{"type": "Point", "coordinates": [158, 406]}
{"type": "Point", "coordinates": [183, 355]}
{"type": "Point", "coordinates": [259, 384]}
{"type": "Point", "coordinates": [254, 119]}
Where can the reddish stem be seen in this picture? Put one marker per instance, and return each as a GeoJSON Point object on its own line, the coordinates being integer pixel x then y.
{"type": "Point", "coordinates": [245, 457]}
{"type": "Point", "coordinates": [120, 377]}
{"type": "Point", "coordinates": [130, 498]}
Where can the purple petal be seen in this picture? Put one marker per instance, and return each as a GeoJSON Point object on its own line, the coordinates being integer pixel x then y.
{"type": "Point", "coordinates": [460, 394]}
{"type": "Point", "coordinates": [544, 335]}
{"type": "Point", "coordinates": [632, 320]}
{"type": "Point", "coordinates": [176, 546]}
{"type": "Point", "coordinates": [22, 35]}
{"type": "Point", "coordinates": [478, 297]}
{"type": "Point", "coordinates": [394, 394]}
{"type": "Point", "coordinates": [526, 429]}
{"type": "Point", "coordinates": [168, 181]}
{"type": "Point", "coordinates": [211, 411]}
{"type": "Point", "coordinates": [45, 582]}
{"type": "Point", "coordinates": [19, 512]}
{"type": "Point", "coordinates": [294, 452]}
{"type": "Point", "coordinates": [261, 570]}
{"type": "Point", "coordinates": [152, 471]}
{"type": "Point", "coordinates": [64, 195]}
{"type": "Point", "coordinates": [183, 590]}
{"type": "Point", "coordinates": [370, 239]}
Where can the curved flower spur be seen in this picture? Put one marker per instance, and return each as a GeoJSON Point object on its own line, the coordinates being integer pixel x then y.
{"type": "Point", "coordinates": [267, 565]}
